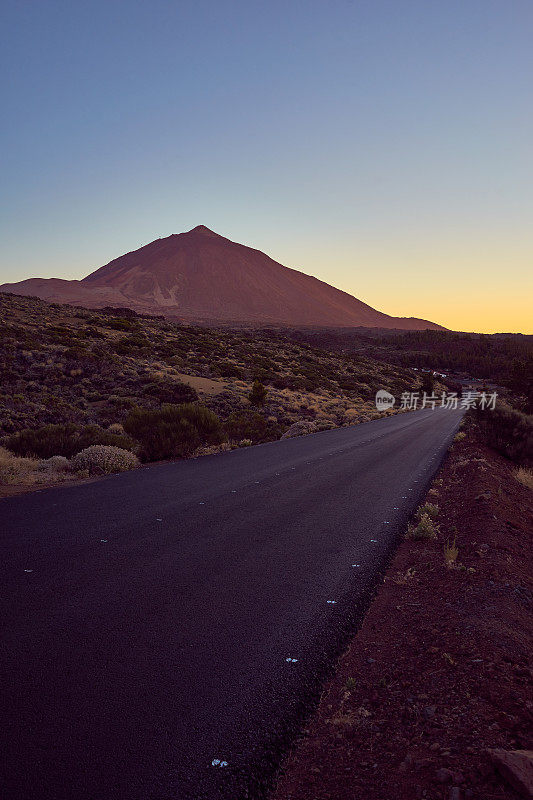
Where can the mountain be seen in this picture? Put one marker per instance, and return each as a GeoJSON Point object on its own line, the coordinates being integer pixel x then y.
{"type": "Point", "coordinates": [202, 276]}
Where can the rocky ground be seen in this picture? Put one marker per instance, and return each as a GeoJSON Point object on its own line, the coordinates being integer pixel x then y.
{"type": "Point", "coordinates": [438, 678]}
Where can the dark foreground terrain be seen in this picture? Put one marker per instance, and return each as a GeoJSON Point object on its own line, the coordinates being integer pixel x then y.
{"type": "Point", "coordinates": [162, 620]}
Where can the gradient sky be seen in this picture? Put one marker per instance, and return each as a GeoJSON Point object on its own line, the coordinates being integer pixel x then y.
{"type": "Point", "coordinates": [384, 146]}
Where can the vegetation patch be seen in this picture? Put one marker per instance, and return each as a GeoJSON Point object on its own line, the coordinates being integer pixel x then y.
{"type": "Point", "coordinates": [101, 459]}
{"type": "Point", "coordinates": [63, 440]}
{"type": "Point", "coordinates": [173, 431]}
{"type": "Point", "coordinates": [508, 431]}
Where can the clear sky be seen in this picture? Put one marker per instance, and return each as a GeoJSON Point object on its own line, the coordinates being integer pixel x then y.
{"type": "Point", "coordinates": [384, 146]}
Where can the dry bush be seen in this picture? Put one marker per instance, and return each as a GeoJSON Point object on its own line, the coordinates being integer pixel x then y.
{"type": "Point", "coordinates": [54, 464]}
{"type": "Point", "coordinates": [21, 471]}
{"type": "Point", "coordinates": [212, 449]}
{"type": "Point", "coordinates": [15, 470]}
{"type": "Point", "coordinates": [300, 428]}
{"type": "Point", "coordinates": [116, 427]}
{"type": "Point", "coordinates": [525, 477]}
{"type": "Point", "coordinates": [101, 459]}
{"type": "Point", "coordinates": [351, 414]}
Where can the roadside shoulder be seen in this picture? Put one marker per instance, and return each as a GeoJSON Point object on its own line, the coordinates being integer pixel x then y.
{"type": "Point", "coordinates": [438, 674]}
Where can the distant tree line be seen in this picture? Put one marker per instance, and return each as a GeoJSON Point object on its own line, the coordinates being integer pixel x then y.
{"type": "Point", "coordinates": [505, 359]}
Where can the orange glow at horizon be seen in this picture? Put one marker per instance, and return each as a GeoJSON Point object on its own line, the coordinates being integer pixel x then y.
{"type": "Point", "coordinates": [466, 288]}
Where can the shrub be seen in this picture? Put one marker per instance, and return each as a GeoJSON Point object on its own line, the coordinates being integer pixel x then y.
{"type": "Point", "coordinates": [430, 509]}
{"type": "Point", "coordinates": [120, 324]}
{"type": "Point", "coordinates": [101, 459]}
{"type": "Point", "coordinates": [424, 529]}
{"type": "Point", "coordinates": [258, 394]}
{"type": "Point", "coordinates": [508, 431]}
{"type": "Point", "coordinates": [227, 369]}
{"type": "Point", "coordinates": [63, 440]}
{"type": "Point", "coordinates": [428, 383]}
{"type": "Point", "coordinates": [300, 428]}
{"type": "Point", "coordinates": [43, 442]}
{"type": "Point", "coordinates": [248, 424]}
{"type": "Point", "coordinates": [174, 392]}
{"type": "Point", "coordinates": [132, 345]}
{"type": "Point", "coordinates": [173, 431]}
{"type": "Point", "coordinates": [55, 463]}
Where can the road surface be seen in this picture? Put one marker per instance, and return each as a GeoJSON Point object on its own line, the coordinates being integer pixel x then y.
{"type": "Point", "coordinates": [160, 621]}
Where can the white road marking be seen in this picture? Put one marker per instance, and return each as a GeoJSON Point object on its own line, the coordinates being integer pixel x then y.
{"type": "Point", "coordinates": [28, 570]}
{"type": "Point", "coordinates": [103, 540]}
{"type": "Point", "coordinates": [158, 519]}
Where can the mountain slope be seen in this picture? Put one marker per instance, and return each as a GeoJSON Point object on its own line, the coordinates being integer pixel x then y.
{"type": "Point", "coordinates": [200, 275]}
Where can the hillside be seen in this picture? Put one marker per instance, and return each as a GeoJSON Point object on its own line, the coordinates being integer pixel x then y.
{"type": "Point", "coordinates": [504, 359]}
{"type": "Point", "coordinates": [86, 372]}
{"type": "Point", "coordinates": [202, 276]}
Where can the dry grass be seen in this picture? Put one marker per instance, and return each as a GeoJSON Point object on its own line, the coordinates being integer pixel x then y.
{"type": "Point", "coordinates": [15, 470]}
{"type": "Point", "coordinates": [451, 551]}
{"type": "Point", "coordinates": [525, 477]}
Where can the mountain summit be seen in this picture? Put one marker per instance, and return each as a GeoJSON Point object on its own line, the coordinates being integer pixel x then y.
{"type": "Point", "coordinates": [202, 276]}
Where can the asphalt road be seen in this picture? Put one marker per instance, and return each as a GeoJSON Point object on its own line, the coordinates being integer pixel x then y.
{"type": "Point", "coordinates": [148, 617]}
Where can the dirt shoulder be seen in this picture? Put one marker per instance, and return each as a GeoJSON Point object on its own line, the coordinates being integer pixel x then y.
{"type": "Point", "coordinates": [438, 674]}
